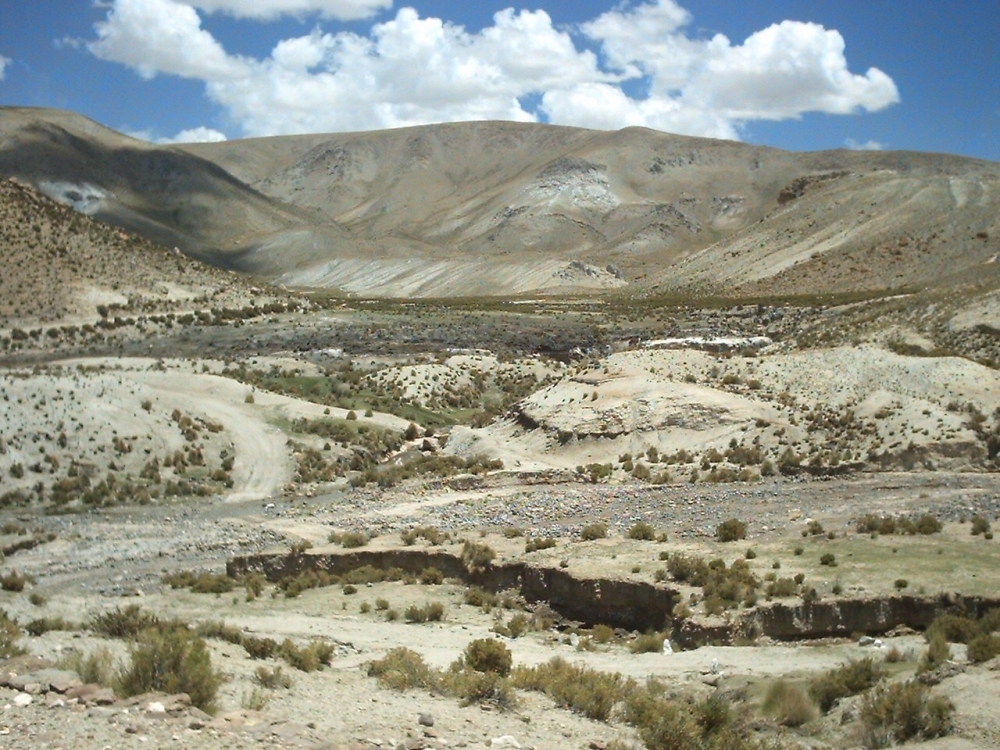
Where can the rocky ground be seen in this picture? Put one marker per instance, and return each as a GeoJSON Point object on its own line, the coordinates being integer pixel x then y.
{"type": "Point", "coordinates": [100, 561]}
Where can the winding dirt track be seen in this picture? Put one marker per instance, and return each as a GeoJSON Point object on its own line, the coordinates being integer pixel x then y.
{"type": "Point", "coordinates": [262, 462]}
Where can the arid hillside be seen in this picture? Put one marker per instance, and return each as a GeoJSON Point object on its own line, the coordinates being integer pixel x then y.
{"type": "Point", "coordinates": [59, 265]}
{"type": "Point", "coordinates": [493, 208]}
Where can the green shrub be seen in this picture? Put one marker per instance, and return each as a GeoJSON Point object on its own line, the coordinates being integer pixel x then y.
{"type": "Point", "coordinates": [381, 604]}
{"type": "Point", "coordinates": [171, 660]}
{"type": "Point", "coordinates": [731, 531]}
{"type": "Point", "coordinates": [478, 597]}
{"type": "Point", "coordinates": [849, 679]}
{"type": "Point", "coordinates": [488, 655]}
{"type": "Point", "coordinates": [789, 704]}
{"type": "Point", "coordinates": [401, 669]}
{"type": "Point", "coordinates": [642, 531]}
{"type": "Point", "coordinates": [901, 711]}
{"type": "Point", "coordinates": [979, 525]}
{"type": "Point", "coordinates": [828, 559]}
{"type": "Point", "coordinates": [593, 531]}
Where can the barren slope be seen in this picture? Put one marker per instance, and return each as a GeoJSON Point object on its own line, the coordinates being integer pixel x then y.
{"type": "Point", "coordinates": [162, 193]}
{"type": "Point", "coordinates": [493, 208]}
{"type": "Point", "coordinates": [444, 207]}
{"type": "Point", "coordinates": [59, 265]}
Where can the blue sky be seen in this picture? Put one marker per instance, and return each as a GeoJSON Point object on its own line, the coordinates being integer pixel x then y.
{"type": "Point", "coordinates": [799, 75]}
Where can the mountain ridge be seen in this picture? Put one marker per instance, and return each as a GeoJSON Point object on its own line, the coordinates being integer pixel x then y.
{"type": "Point", "coordinates": [500, 208]}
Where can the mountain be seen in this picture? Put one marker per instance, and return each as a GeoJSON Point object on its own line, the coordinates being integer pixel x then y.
{"type": "Point", "coordinates": [496, 208]}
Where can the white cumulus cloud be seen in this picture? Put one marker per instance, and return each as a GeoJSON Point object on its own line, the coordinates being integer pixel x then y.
{"type": "Point", "coordinates": [864, 145]}
{"type": "Point", "coordinates": [162, 36]}
{"type": "Point", "coordinates": [411, 70]}
{"type": "Point", "coordinates": [268, 10]}
{"type": "Point", "coordinates": [200, 134]}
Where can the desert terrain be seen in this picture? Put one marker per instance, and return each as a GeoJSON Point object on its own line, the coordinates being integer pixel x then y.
{"type": "Point", "coordinates": [495, 435]}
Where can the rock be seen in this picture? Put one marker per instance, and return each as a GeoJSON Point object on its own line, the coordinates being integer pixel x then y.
{"type": "Point", "coordinates": [425, 719]}
{"type": "Point", "coordinates": [598, 745]}
{"type": "Point", "coordinates": [946, 670]}
{"type": "Point", "coordinates": [667, 648]}
{"type": "Point", "coordinates": [59, 680]}
{"type": "Point", "coordinates": [505, 741]}
{"type": "Point", "coordinates": [82, 692]}
{"type": "Point", "coordinates": [418, 743]}
{"type": "Point", "coordinates": [156, 708]}
{"type": "Point", "coordinates": [103, 697]}
{"type": "Point", "coordinates": [54, 700]}
{"type": "Point", "coordinates": [866, 640]}
{"type": "Point", "coordinates": [22, 700]}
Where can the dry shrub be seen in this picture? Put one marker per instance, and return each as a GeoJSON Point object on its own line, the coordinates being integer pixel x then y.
{"type": "Point", "coordinates": [593, 531]}
{"type": "Point", "coordinates": [647, 643]}
{"type": "Point", "coordinates": [731, 531]}
{"type": "Point", "coordinates": [642, 531]}
{"type": "Point", "coordinates": [789, 704]}
{"type": "Point", "coordinates": [123, 623]}
{"type": "Point", "coordinates": [402, 669]}
{"type": "Point", "coordinates": [272, 679]}
{"type": "Point", "coordinates": [983, 648]}
{"type": "Point", "coordinates": [901, 711]}
{"type": "Point", "coordinates": [488, 655]}
{"type": "Point", "coordinates": [850, 679]}
{"type": "Point", "coordinates": [578, 688]}
{"type": "Point", "coordinates": [170, 659]}
{"type": "Point", "coordinates": [9, 632]}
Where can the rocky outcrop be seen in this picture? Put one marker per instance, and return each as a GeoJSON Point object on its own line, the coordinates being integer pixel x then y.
{"type": "Point", "coordinates": [637, 605]}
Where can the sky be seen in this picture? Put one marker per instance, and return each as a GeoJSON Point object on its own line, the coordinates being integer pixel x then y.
{"type": "Point", "coordinates": [793, 74]}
